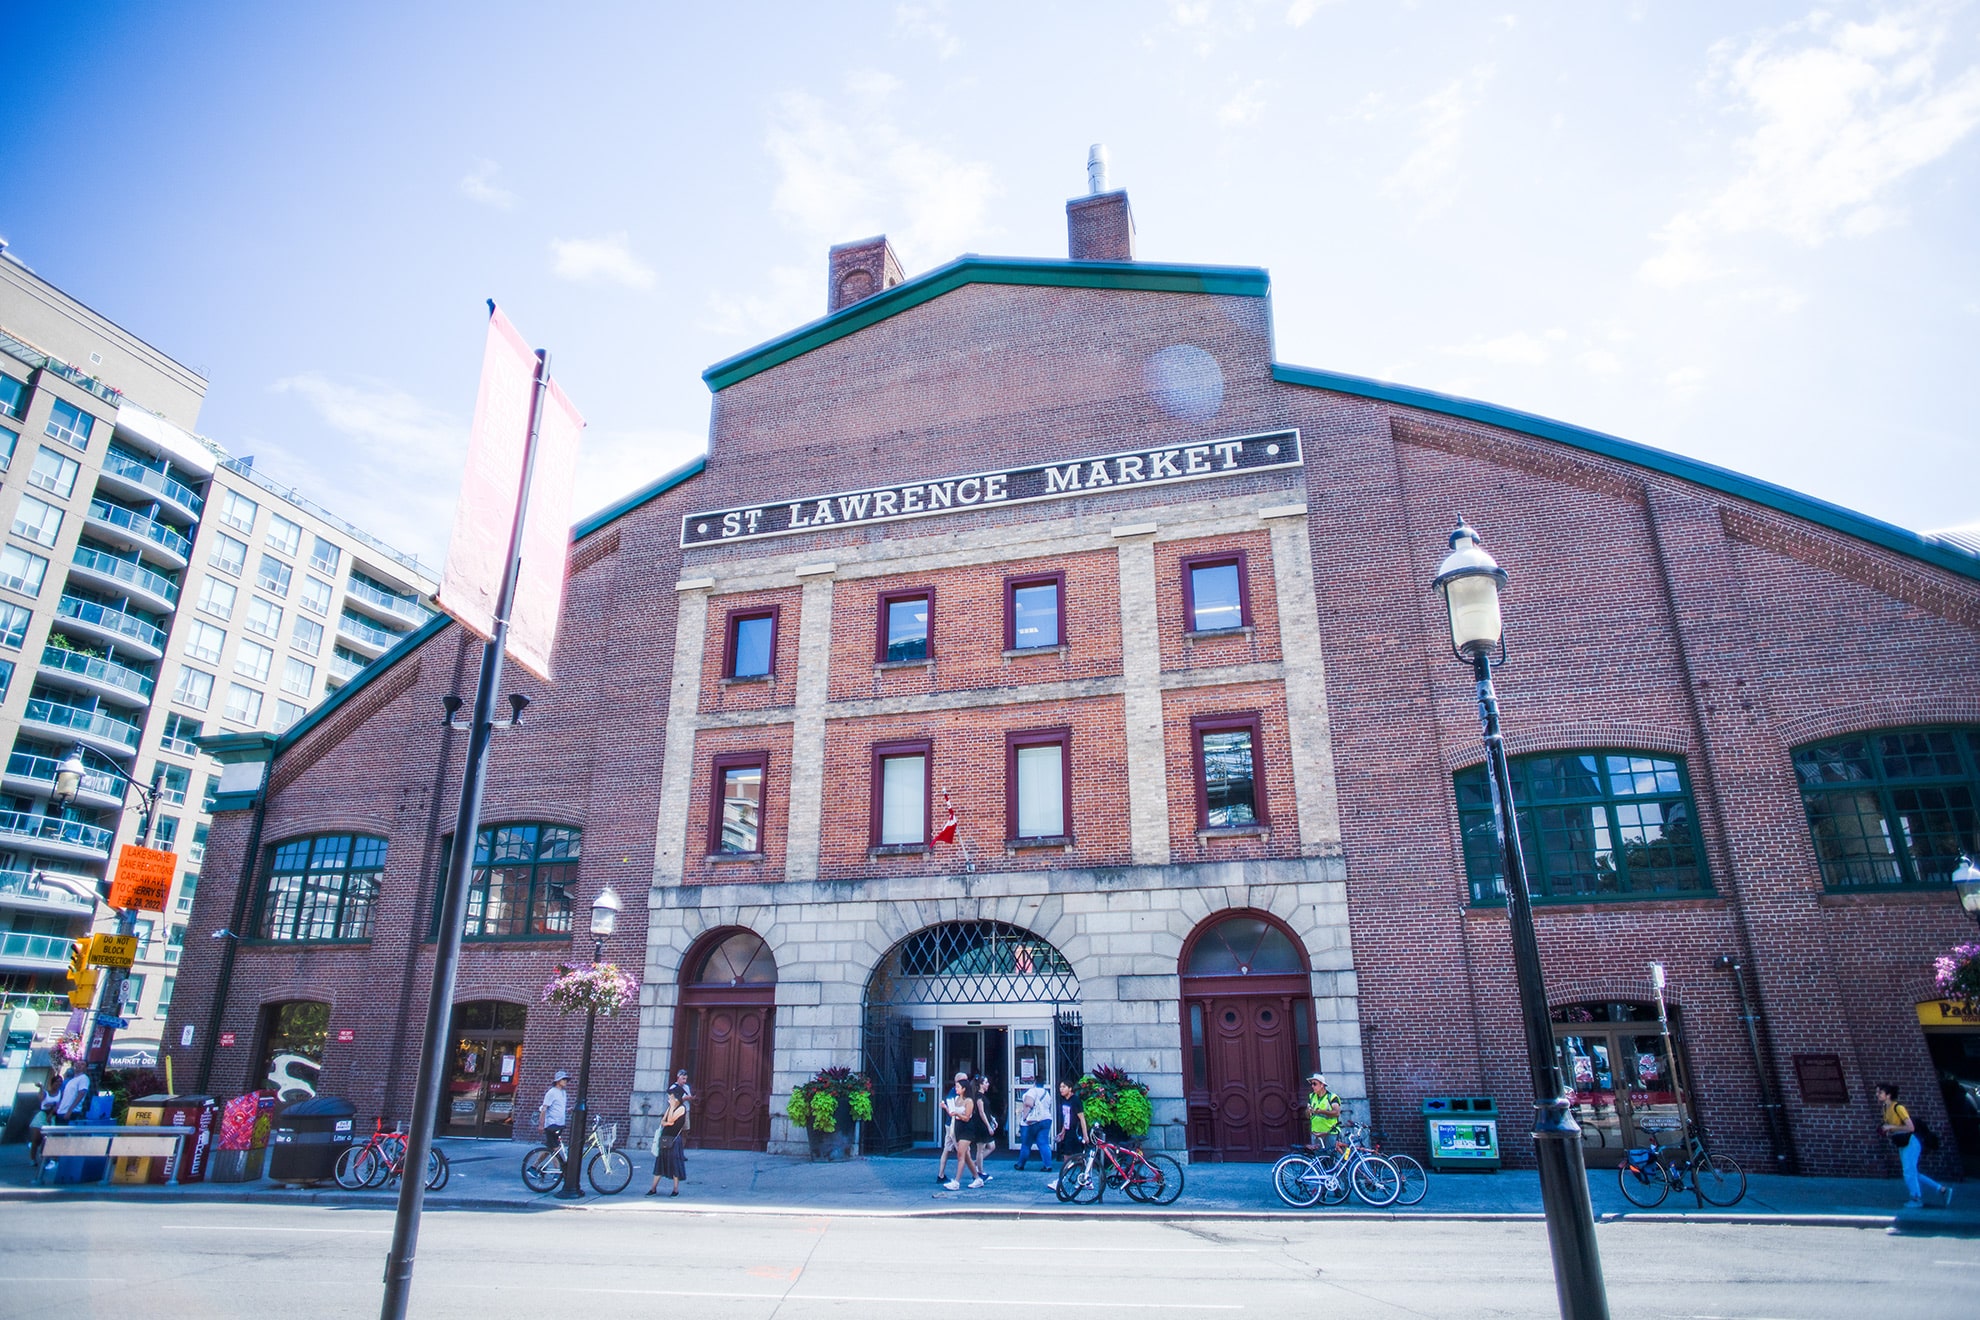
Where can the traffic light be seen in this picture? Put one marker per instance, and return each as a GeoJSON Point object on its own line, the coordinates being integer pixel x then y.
{"type": "Point", "coordinates": [82, 977]}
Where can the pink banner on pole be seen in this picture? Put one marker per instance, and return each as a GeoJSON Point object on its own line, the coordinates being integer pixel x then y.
{"type": "Point", "coordinates": [546, 540]}
{"type": "Point", "coordinates": [486, 511]}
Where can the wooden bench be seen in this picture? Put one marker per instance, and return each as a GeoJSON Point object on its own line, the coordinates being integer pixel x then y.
{"type": "Point", "coordinates": [107, 1141]}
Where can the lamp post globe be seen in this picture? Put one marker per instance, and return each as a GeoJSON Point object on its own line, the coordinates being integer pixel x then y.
{"type": "Point", "coordinates": [1966, 879]}
{"type": "Point", "coordinates": [1471, 581]}
{"type": "Point", "coordinates": [68, 777]}
{"type": "Point", "coordinates": [605, 911]}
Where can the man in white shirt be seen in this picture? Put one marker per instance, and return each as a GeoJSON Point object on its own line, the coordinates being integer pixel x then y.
{"type": "Point", "coordinates": [551, 1113]}
{"type": "Point", "coordinates": [1034, 1125]}
{"type": "Point", "coordinates": [73, 1102]}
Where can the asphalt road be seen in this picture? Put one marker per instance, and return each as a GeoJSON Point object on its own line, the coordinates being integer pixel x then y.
{"type": "Point", "coordinates": [77, 1260]}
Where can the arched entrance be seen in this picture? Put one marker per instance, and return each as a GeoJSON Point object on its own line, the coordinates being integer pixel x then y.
{"type": "Point", "coordinates": [1247, 1022]}
{"type": "Point", "coordinates": [965, 996]}
{"type": "Point", "coordinates": [481, 1088]}
{"type": "Point", "coordinates": [724, 1036]}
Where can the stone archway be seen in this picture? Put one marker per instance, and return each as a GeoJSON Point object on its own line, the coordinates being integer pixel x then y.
{"type": "Point", "coordinates": [724, 1035]}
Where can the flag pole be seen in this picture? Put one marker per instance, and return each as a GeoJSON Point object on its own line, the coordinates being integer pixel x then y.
{"type": "Point", "coordinates": [446, 959]}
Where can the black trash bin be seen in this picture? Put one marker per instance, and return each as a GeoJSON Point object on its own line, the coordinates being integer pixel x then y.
{"type": "Point", "coordinates": [307, 1138]}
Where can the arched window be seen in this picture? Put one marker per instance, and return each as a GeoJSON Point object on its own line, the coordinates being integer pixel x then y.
{"type": "Point", "coordinates": [521, 885]}
{"type": "Point", "coordinates": [1243, 946]}
{"type": "Point", "coordinates": [740, 959]}
{"type": "Point", "coordinates": [321, 889]}
{"type": "Point", "coordinates": [1593, 825]}
{"type": "Point", "coordinates": [1892, 806]}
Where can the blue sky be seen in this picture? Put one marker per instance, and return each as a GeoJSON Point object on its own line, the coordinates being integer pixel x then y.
{"type": "Point", "coordinates": [1742, 232]}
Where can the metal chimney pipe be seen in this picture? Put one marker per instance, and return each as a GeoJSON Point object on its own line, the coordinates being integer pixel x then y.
{"type": "Point", "coordinates": [1096, 169]}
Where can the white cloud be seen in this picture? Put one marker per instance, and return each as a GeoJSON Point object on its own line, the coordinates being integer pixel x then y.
{"type": "Point", "coordinates": [1842, 113]}
{"type": "Point", "coordinates": [926, 21]}
{"type": "Point", "coordinates": [1518, 349]}
{"type": "Point", "coordinates": [608, 258]}
{"type": "Point", "coordinates": [614, 463]}
{"type": "Point", "coordinates": [1685, 382]}
{"type": "Point", "coordinates": [1428, 176]}
{"type": "Point", "coordinates": [792, 298]}
{"type": "Point", "coordinates": [1301, 12]}
{"type": "Point", "coordinates": [479, 185]}
{"type": "Point", "coordinates": [1243, 107]}
{"type": "Point", "coordinates": [1600, 362]}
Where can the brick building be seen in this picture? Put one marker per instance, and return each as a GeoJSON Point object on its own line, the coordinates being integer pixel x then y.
{"type": "Point", "coordinates": [1058, 543]}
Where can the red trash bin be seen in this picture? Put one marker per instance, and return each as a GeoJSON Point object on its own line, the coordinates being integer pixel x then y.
{"type": "Point", "coordinates": [199, 1113]}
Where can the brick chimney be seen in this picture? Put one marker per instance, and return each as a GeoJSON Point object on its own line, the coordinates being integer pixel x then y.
{"type": "Point", "coordinates": [860, 270]}
{"type": "Point", "coordinates": [1099, 226]}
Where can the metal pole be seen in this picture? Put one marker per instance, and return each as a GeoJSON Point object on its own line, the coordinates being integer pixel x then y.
{"type": "Point", "coordinates": [574, 1133]}
{"type": "Point", "coordinates": [243, 891]}
{"type": "Point", "coordinates": [1677, 1074]}
{"type": "Point", "coordinates": [1779, 1136]}
{"type": "Point", "coordinates": [1556, 1137]}
{"type": "Point", "coordinates": [111, 1001]}
{"type": "Point", "coordinates": [460, 866]}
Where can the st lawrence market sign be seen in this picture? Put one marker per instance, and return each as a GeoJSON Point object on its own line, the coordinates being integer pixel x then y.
{"type": "Point", "coordinates": [1160, 466]}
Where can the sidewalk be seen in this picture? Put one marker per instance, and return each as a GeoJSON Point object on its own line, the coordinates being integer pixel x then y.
{"type": "Point", "coordinates": [485, 1177]}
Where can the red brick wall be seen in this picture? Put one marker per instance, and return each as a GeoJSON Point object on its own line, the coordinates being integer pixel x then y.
{"type": "Point", "coordinates": [781, 688]}
{"type": "Point", "coordinates": [701, 868]}
{"type": "Point", "coordinates": [1179, 707]}
{"type": "Point", "coordinates": [1179, 650]}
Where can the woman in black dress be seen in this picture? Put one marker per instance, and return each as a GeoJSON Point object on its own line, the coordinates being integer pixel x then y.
{"type": "Point", "coordinates": [670, 1144]}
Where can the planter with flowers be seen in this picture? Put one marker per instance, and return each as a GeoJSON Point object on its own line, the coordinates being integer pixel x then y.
{"type": "Point", "coordinates": [1117, 1102]}
{"type": "Point", "coordinates": [821, 1105]}
{"type": "Point", "coordinates": [1958, 974]}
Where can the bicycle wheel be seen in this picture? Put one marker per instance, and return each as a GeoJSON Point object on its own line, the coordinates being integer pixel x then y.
{"type": "Point", "coordinates": [1159, 1180]}
{"type": "Point", "coordinates": [376, 1167]}
{"type": "Point", "coordinates": [609, 1171]}
{"type": "Point", "coordinates": [1720, 1180]}
{"type": "Point", "coordinates": [1376, 1181]}
{"type": "Point", "coordinates": [1296, 1181]}
{"type": "Point", "coordinates": [542, 1169]}
{"type": "Point", "coordinates": [438, 1170]}
{"type": "Point", "coordinates": [1645, 1184]}
{"type": "Point", "coordinates": [1415, 1182]}
{"type": "Point", "coordinates": [348, 1176]}
{"type": "Point", "coordinates": [1079, 1182]}
{"type": "Point", "coordinates": [1333, 1182]}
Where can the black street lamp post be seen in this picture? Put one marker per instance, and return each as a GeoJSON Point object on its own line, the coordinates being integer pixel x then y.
{"type": "Point", "coordinates": [1966, 880]}
{"type": "Point", "coordinates": [1471, 581]}
{"type": "Point", "coordinates": [604, 916]}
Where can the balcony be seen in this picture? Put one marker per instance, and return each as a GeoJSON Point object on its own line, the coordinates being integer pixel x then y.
{"type": "Point", "coordinates": [39, 1001]}
{"type": "Point", "coordinates": [52, 834]}
{"type": "Point", "coordinates": [21, 889]}
{"type": "Point", "coordinates": [112, 625]}
{"type": "Point", "coordinates": [134, 531]}
{"type": "Point", "coordinates": [361, 635]}
{"type": "Point", "coordinates": [144, 587]}
{"type": "Point", "coordinates": [383, 604]}
{"type": "Point", "coordinates": [106, 678]}
{"type": "Point", "coordinates": [52, 719]}
{"type": "Point", "coordinates": [34, 953]}
{"type": "Point", "coordinates": [29, 772]}
{"type": "Point", "coordinates": [133, 479]}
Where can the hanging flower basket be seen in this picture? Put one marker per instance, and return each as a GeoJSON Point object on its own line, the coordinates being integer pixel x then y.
{"type": "Point", "coordinates": [606, 987]}
{"type": "Point", "coordinates": [69, 1049]}
{"type": "Point", "coordinates": [1959, 974]}
{"type": "Point", "coordinates": [1113, 1100]}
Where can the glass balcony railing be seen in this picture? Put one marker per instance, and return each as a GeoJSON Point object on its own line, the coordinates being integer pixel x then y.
{"type": "Point", "coordinates": [343, 668]}
{"type": "Point", "coordinates": [35, 948]}
{"type": "Point", "coordinates": [139, 525]}
{"type": "Point", "coordinates": [26, 884]}
{"type": "Point", "coordinates": [97, 668]}
{"type": "Point", "coordinates": [152, 479]}
{"type": "Point", "coordinates": [124, 570]}
{"type": "Point", "coordinates": [37, 1000]}
{"type": "Point", "coordinates": [359, 631]}
{"type": "Point", "coordinates": [41, 769]}
{"type": "Point", "coordinates": [25, 825]}
{"type": "Point", "coordinates": [94, 722]}
{"type": "Point", "coordinates": [409, 610]}
{"type": "Point", "coordinates": [112, 620]}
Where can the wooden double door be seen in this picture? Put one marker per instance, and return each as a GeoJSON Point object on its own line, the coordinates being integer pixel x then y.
{"type": "Point", "coordinates": [1244, 1070]}
{"type": "Point", "coordinates": [726, 1046]}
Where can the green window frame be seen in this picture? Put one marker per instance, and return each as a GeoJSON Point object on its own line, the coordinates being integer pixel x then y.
{"type": "Point", "coordinates": [321, 889]}
{"type": "Point", "coordinates": [1892, 808]}
{"type": "Point", "coordinates": [1596, 825]}
{"type": "Point", "coordinates": [521, 886]}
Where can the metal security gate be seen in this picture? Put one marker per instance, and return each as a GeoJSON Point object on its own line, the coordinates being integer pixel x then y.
{"type": "Point", "coordinates": [990, 964]}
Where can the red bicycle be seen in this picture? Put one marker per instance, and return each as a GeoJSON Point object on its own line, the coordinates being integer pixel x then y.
{"type": "Point", "coordinates": [1150, 1179]}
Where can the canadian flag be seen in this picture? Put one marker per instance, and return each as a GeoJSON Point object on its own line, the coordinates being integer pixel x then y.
{"type": "Point", "coordinates": [947, 834]}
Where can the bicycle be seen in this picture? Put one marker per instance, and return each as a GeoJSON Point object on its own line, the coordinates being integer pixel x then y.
{"type": "Point", "coordinates": [382, 1157]}
{"type": "Point", "coordinates": [1646, 1178]}
{"type": "Point", "coordinates": [1415, 1180]}
{"type": "Point", "coordinates": [609, 1170]}
{"type": "Point", "coordinates": [1303, 1176]}
{"type": "Point", "coordinates": [1151, 1179]}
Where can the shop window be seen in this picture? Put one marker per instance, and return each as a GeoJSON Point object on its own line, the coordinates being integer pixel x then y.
{"type": "Point", "coordinates": [735, 817]}
{"type": "Point", "coordinates": [1894, 806]}
{"type": "Point", "coordinates": [1032, 611]}
{"type": "Point", "coordinates": [1216, 593]}
{"type": "Point", "coordinates": [905, 622]}
{"type": "Point", "coordinates": [900, 795]}
{"type": "Point", "coordinates": [751, 644]}
{"type": "Point", "coordinates": [521, 885]}
{"type": "Point", "coordinates": [1592, 825]}
{"type": "Point", "coordinates": [1038, 785]}
{"type": "Point", "coordinates": [1230, 772]}
{"type": "Point", "coordinates": [322, 889]}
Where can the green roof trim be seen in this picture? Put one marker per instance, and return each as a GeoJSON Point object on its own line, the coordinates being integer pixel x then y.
{"type": "Point", "coordinates": [405, 646]}
{"type": "Point", "coordinates": [1712, 477]}
{"type": "Point", "coordinates": [1149, 276]}
{"type": "Point", "coordinates": [653, 490]}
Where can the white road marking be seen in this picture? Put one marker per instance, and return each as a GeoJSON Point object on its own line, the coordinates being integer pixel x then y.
{"type": "Point", "coordinates": [267, 1228]}
{"type": "Point", "coordinates": [1035, 1302]}
{"type": "Point", "coordinates": [1119, 1251]}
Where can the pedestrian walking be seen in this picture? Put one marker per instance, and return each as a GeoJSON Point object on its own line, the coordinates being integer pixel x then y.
{"type": "Point", "coordinates": [670, 1142]}
{"type": "Point", "coordinates": [969, 1123]}
{"type": "Point", "coordinates": [1034, 1126]}
{"type": "Point", "coordinates": [1068, 1131]}
{"type": "Point", "coordinates": [550, 1115]}
{"type": "Point", "coordinates": [984, 1141]}
{"type": "Point", "coordinates": [951, 1107]}
{"type": "Point", "coordinates": [1907, 1136]}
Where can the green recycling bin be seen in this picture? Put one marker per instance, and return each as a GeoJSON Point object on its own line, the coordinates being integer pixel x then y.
{"type": "Point", "coordinates": [1463, 1131]}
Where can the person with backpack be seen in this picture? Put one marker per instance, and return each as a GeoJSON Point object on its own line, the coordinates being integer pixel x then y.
{"type": "Point", "coordinates": [1911, 1139]}
{"type": "Point", "coordinates": [670, 1142]}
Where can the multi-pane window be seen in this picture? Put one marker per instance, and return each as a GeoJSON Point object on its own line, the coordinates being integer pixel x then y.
{"type": "Point", "coordinates": [307, 636]}
{"type": "Point", "coordinates": [54, 473]}
{"type": "Point", "coordinates": [253, 660]}
{"type": "Point", "coordinates": [522, 883]}
{"type": "Point", "coordinates": [1894, 806]}
{"type": "Point", "coordinates": [735, 824]}
{"type": "Point", "coordinates": [243, 704]}
{"type": "Point", "coordinates": [904, 626]}
{"type": "Point", "coordinates": [264, 617]}
{"type": "Point", "coordinates": [752, 644]}
{"type": "Point", "coordinates": [14, 621]}
{"type": "Point", "coordinates": [217, 597]}
{"type": "Point", "coordinates": [196, 853]}
{"type": "Point", "coordinates": [298, 676]}
{"type": "Point", "coordinates": [173, 781]}
{"type": "Point", "coordinates": [1038, 789]}
{"type": "Point", "coordinates": [1230, 777]}
{"type": "Point", "coordinates": [165, 833]}
{"type": "Point", "coordinates": [284, 535]}
{"type": "Point", "coordinates": [175, 944]}
{"type": "Point", "coordinates": [13, 396]}
{"type": "Point", "coordinates": [1592, 825]}
{"type": "Point", "coordinates": [21, 571]}
{"type": "Point", "coordinates": [6, 678]}
{"type": "Point", "coordinates": [228, 554]}
{"type": "Point", "coordinates": [287, 713]}
{"type": "Point", "coordinates": [165, 988]}
{"type": "Point", "coordinates": [316, 595]}
{"type": "Point", "coordinates": [188, 887]}
{"type": "Point", "coordinates": [69, 424]}
{"type": "Point", "coordinates": [181, 730]}
{"type": "Point", "coordinates": [8, 439]}
{"type": "Point", "coordinates": [323, 558]}
{"type": "Point", "coordinates": [203, 642]}
{"type": "Point", "coordinates": [273, 575]}
{"type": "Point", "coordinates": [37, 522]}
{"type": "Point", "coordinates": [1216, 595]}
{"type": "Point", "coordinates": [237, 511]}
{"type": "Point", "coordinates": [1031, 612]}
{"type": "Point", "coordinates": [133, 994]}
{"type": "Point", "coordinates": [209, 793]}
{"type": "Point", "coordinates": [322, 888]}
{"type": "Point", "coordinates": [900, 794]}
{"type": "Point", "coordinates": [194, 688]}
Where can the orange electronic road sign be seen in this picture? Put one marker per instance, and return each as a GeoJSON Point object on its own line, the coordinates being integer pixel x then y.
{"type": "Point", "coordinates": [144, 878]}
